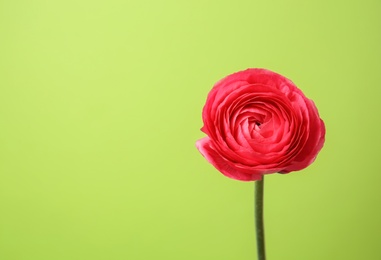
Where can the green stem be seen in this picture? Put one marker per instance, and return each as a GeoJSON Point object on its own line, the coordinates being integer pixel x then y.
{"type": "Point", "coordinates": [260, 230]}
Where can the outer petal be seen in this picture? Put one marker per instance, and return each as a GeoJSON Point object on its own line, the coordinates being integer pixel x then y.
{"type": "Point", "coordinates": [308, 155]}
{"type": "Point", "coordinates": [205, 147]}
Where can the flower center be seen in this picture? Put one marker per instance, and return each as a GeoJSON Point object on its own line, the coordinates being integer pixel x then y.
{"type": "Point", "coordinates": [254, 125]}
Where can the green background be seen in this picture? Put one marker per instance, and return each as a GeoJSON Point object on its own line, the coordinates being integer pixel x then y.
{"type": "Point", "coordinates": [100, 107]}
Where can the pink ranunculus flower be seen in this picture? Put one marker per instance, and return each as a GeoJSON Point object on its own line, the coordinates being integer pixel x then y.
{"type": "Point", "coordinates": [258, 122]}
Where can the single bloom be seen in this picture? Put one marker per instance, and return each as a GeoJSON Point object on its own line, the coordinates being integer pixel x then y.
{"type": "Point", "coordinates": [258, 122]}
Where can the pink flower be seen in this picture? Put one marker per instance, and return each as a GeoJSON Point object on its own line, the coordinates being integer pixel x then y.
{"type": "Point", "coordinates": [258, 122]}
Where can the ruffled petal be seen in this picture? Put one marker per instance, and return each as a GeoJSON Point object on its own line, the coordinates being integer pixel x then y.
{"type": "Point", "coordinates": [220, 163]}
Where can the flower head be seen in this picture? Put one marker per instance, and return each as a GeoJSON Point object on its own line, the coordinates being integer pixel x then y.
{"type": "Point", "coordinates": [258, 122]}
